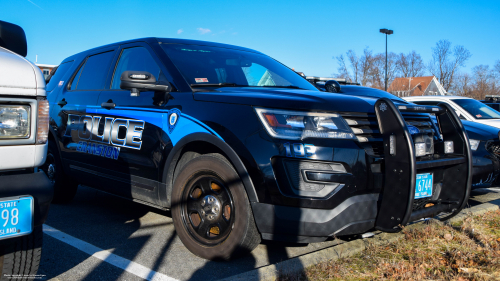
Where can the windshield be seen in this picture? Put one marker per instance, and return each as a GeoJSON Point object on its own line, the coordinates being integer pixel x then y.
{"type": "Point", "coordinates": [477, 109]}
{"type": "Point", "coordinates": [204, 66]}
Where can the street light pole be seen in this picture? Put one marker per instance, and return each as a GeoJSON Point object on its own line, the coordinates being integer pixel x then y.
{"type": "Point", "coordinates": [386, 32]}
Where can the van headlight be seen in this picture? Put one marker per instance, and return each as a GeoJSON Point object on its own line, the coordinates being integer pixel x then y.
{"type": "Point", "coordinates": [14, 121]}
{"type": "Point", "coordinates": [297, 125]}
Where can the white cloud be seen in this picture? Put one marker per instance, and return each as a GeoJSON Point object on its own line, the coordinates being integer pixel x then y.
{"type": "Point", "coordinates": [180, 31]}
{"type": "Point", "coordinates": [203, 30]}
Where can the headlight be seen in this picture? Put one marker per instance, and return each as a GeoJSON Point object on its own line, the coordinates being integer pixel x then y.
{"type": "Point", "coordinates": [14, 121]}
{"type": "Point", "coordinates": [296, 125]}
{"type": "Point", "coordinates": [474, 144]}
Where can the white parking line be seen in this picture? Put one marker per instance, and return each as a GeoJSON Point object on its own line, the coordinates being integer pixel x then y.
{"type": "Point", "coordinates": [107, 256]}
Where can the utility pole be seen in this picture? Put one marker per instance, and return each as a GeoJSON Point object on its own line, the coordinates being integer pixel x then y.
{"type": "Point", "coordinates": [386, 32]}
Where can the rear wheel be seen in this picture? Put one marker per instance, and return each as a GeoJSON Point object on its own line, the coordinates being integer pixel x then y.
{"type": "Point", "coordinates": [64, 186]}
{"type": "Point", "coordinates": [20, 257]}
{"type": "Point", "coordinates": [211, 211]}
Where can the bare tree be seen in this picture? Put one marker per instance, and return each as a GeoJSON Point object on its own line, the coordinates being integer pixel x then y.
{"type": "Point", "coordinates": [379, 70]}
{"type": "Point", "coordinates": [366, 67]}
{"type": "Point", "coordinates": [343, 71]}
{"type": "Point", "coordinates": [446, 62]}
{"type": "Point", "coordinates": [354, 61]}
{"type": "Point", "coordinates": [483, 81]}
{"type": "Point", "coordinates": [410, 65]}
{"type": "Point", "coordinates": [496, 69]}
{"type": "Point", "coordinates": [462, 85]}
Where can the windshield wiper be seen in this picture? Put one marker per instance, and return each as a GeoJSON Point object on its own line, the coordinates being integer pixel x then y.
{"type": "Point", "coordinates": [289, 87]}
{"type": "Point", "coordinates": [218, 85]}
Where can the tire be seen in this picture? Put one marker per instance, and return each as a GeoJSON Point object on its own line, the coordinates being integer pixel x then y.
{"type": "Point", "coordinates": [64, 186]}
{"type": "Point", "coordinates": [211, 211]}
{"type": "Point", "coordinates": [21, 256]}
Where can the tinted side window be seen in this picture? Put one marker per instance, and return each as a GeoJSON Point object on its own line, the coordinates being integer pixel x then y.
{"type": "Point", "coordinates": [77, 77]}
{"type": "Point", "coordinates": [138, 59]}
{"type": "Point", "coordinates": [57, 76]}
{"type": "Point", "coordinates": [93, 72]}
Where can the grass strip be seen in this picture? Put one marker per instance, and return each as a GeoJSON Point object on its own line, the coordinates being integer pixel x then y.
{"type": "Point", "coordinates": [462, 250]}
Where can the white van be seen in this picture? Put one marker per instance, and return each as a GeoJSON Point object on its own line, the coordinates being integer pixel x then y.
{"type": "Point", "coordinates": [25, 191]}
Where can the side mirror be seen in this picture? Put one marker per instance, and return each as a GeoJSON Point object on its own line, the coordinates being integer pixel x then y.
{"type": "Point", "coordinates": [141, 81]}
{"type": "Point", "coordinates": [332, 86]}
{"type": "Point", "coordinates": [12, 38]}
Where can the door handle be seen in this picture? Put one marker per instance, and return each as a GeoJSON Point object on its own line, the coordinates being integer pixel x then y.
{"type": "Point", "coordinates": [62, 103]}
{"type": "Point", "coordinates": [108, 105]}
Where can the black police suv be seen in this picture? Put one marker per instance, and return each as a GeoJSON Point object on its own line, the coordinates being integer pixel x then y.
{"type": "Point", "coordinates": [241, 148]}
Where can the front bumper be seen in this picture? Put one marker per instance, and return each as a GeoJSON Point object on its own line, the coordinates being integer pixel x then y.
{"type": "Point", "coordinates": [379, 194]}
{"type": "Point", "coordinates": [35, 184]}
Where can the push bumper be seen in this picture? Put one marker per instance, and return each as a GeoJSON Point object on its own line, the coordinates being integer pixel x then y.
{"type": "Point", "coordinates": [35, 184]}
{"type": "Point", "coordinates": [452, 172]}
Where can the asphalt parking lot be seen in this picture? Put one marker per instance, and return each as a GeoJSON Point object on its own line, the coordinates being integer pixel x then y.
{"type": "Point", "coordinates": [102, 237]}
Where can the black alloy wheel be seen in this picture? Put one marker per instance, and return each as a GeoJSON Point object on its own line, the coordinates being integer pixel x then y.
{"type": "Point", "coordinates": [207, 209]}
{"type": "Point", "coordinates": [210, 208]}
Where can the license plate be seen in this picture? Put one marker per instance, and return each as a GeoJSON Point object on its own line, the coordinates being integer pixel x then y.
{"type": "Point", "coordinates": [16, 216]}
{"type": "Point", "coordinates": [423, 188]}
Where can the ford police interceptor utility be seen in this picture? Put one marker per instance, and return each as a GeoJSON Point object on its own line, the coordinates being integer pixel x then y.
{"type": "Point", "coordinates": [25, 193]}
{"type": "Point", "coordinates": [242, 148]}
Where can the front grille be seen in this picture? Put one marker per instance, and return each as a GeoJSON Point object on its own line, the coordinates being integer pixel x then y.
{"type": "Point", "coordinates": [365, 127]}
{"type": "Point", "coordinates": [493, 147]}
{"type": "Point", "coordinates": [422, 122]}
{"type": "Point", "coordinates": [419, 204]}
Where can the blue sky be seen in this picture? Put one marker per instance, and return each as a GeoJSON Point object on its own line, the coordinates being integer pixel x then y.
{"type": "Point", "coordinates": [305, 35]}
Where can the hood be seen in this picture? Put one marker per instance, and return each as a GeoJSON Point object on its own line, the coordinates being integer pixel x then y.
{"type": "Point", "coordinates": [19, 76]}
{"type": "Point", "coordinates": [288, 99]}
{"type": "Point", "coordinates": [491, 122]}
{"type": "Point", "coordinates": [480, 131]}
{"type": "Point", "coordinates": [369, 92]}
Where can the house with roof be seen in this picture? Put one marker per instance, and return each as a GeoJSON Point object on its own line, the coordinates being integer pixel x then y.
{"type": "Point", "coordinates": [45, 68]}
{"type": "Point", "coordinates": [416, 86]}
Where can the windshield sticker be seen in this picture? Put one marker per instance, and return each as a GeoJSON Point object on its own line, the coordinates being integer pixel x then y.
{"type": "Point", "coordinates": [201, 80]}
{"type": "Point", "coordinates": [479, 116]}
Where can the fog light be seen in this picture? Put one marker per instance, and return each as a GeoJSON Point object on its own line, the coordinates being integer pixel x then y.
{"type": "Point", "coordinates": [392, 145]}
{"type": "Point", "coordinates": [419, 149]}
{"type": "Point", "coordinates": [474, 144]}
{"type": "Point", "coordinates": [448, 147]}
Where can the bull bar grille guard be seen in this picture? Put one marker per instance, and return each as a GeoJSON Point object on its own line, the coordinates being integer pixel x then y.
{"type": "Point", "coordinates": [455, 170]}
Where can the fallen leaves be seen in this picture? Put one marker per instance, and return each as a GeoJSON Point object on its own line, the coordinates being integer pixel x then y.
{"type": "Point", "coordinates": [469, 250]}
{"type": "Point", "coordinates": [448, 236]}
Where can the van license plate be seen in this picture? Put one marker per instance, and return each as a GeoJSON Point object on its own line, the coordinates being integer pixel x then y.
{"type": "Point", "coordinates": [16, 216]}
{"type": "Point", "coordinates": [423, 187]}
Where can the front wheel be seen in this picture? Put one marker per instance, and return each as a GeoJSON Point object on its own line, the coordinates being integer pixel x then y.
{"type": "Point", "coordinates": [20, 257]}
{"type": "Point", "coordinates": [211, 210]}
{"type": "Point", "coordinates": [64, 186]}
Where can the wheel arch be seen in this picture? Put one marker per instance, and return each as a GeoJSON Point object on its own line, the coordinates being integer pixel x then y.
{"type": "Point", "coordinates": [203, 142]}
{"type": "Point", "coordinates": [53, 137]}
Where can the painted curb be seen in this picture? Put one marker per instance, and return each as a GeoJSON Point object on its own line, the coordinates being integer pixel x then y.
{"type": "Point", "coordinates": [297, 264]}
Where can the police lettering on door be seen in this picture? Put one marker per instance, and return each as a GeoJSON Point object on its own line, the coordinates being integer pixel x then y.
{"type": "Point", "coordinates": [104, 137]}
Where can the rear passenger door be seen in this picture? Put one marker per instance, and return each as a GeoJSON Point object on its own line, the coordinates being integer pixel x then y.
{"type": "Point", "coordinates": [72, 104]}
{"type": "Point", "coordinates": [136, 170]}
